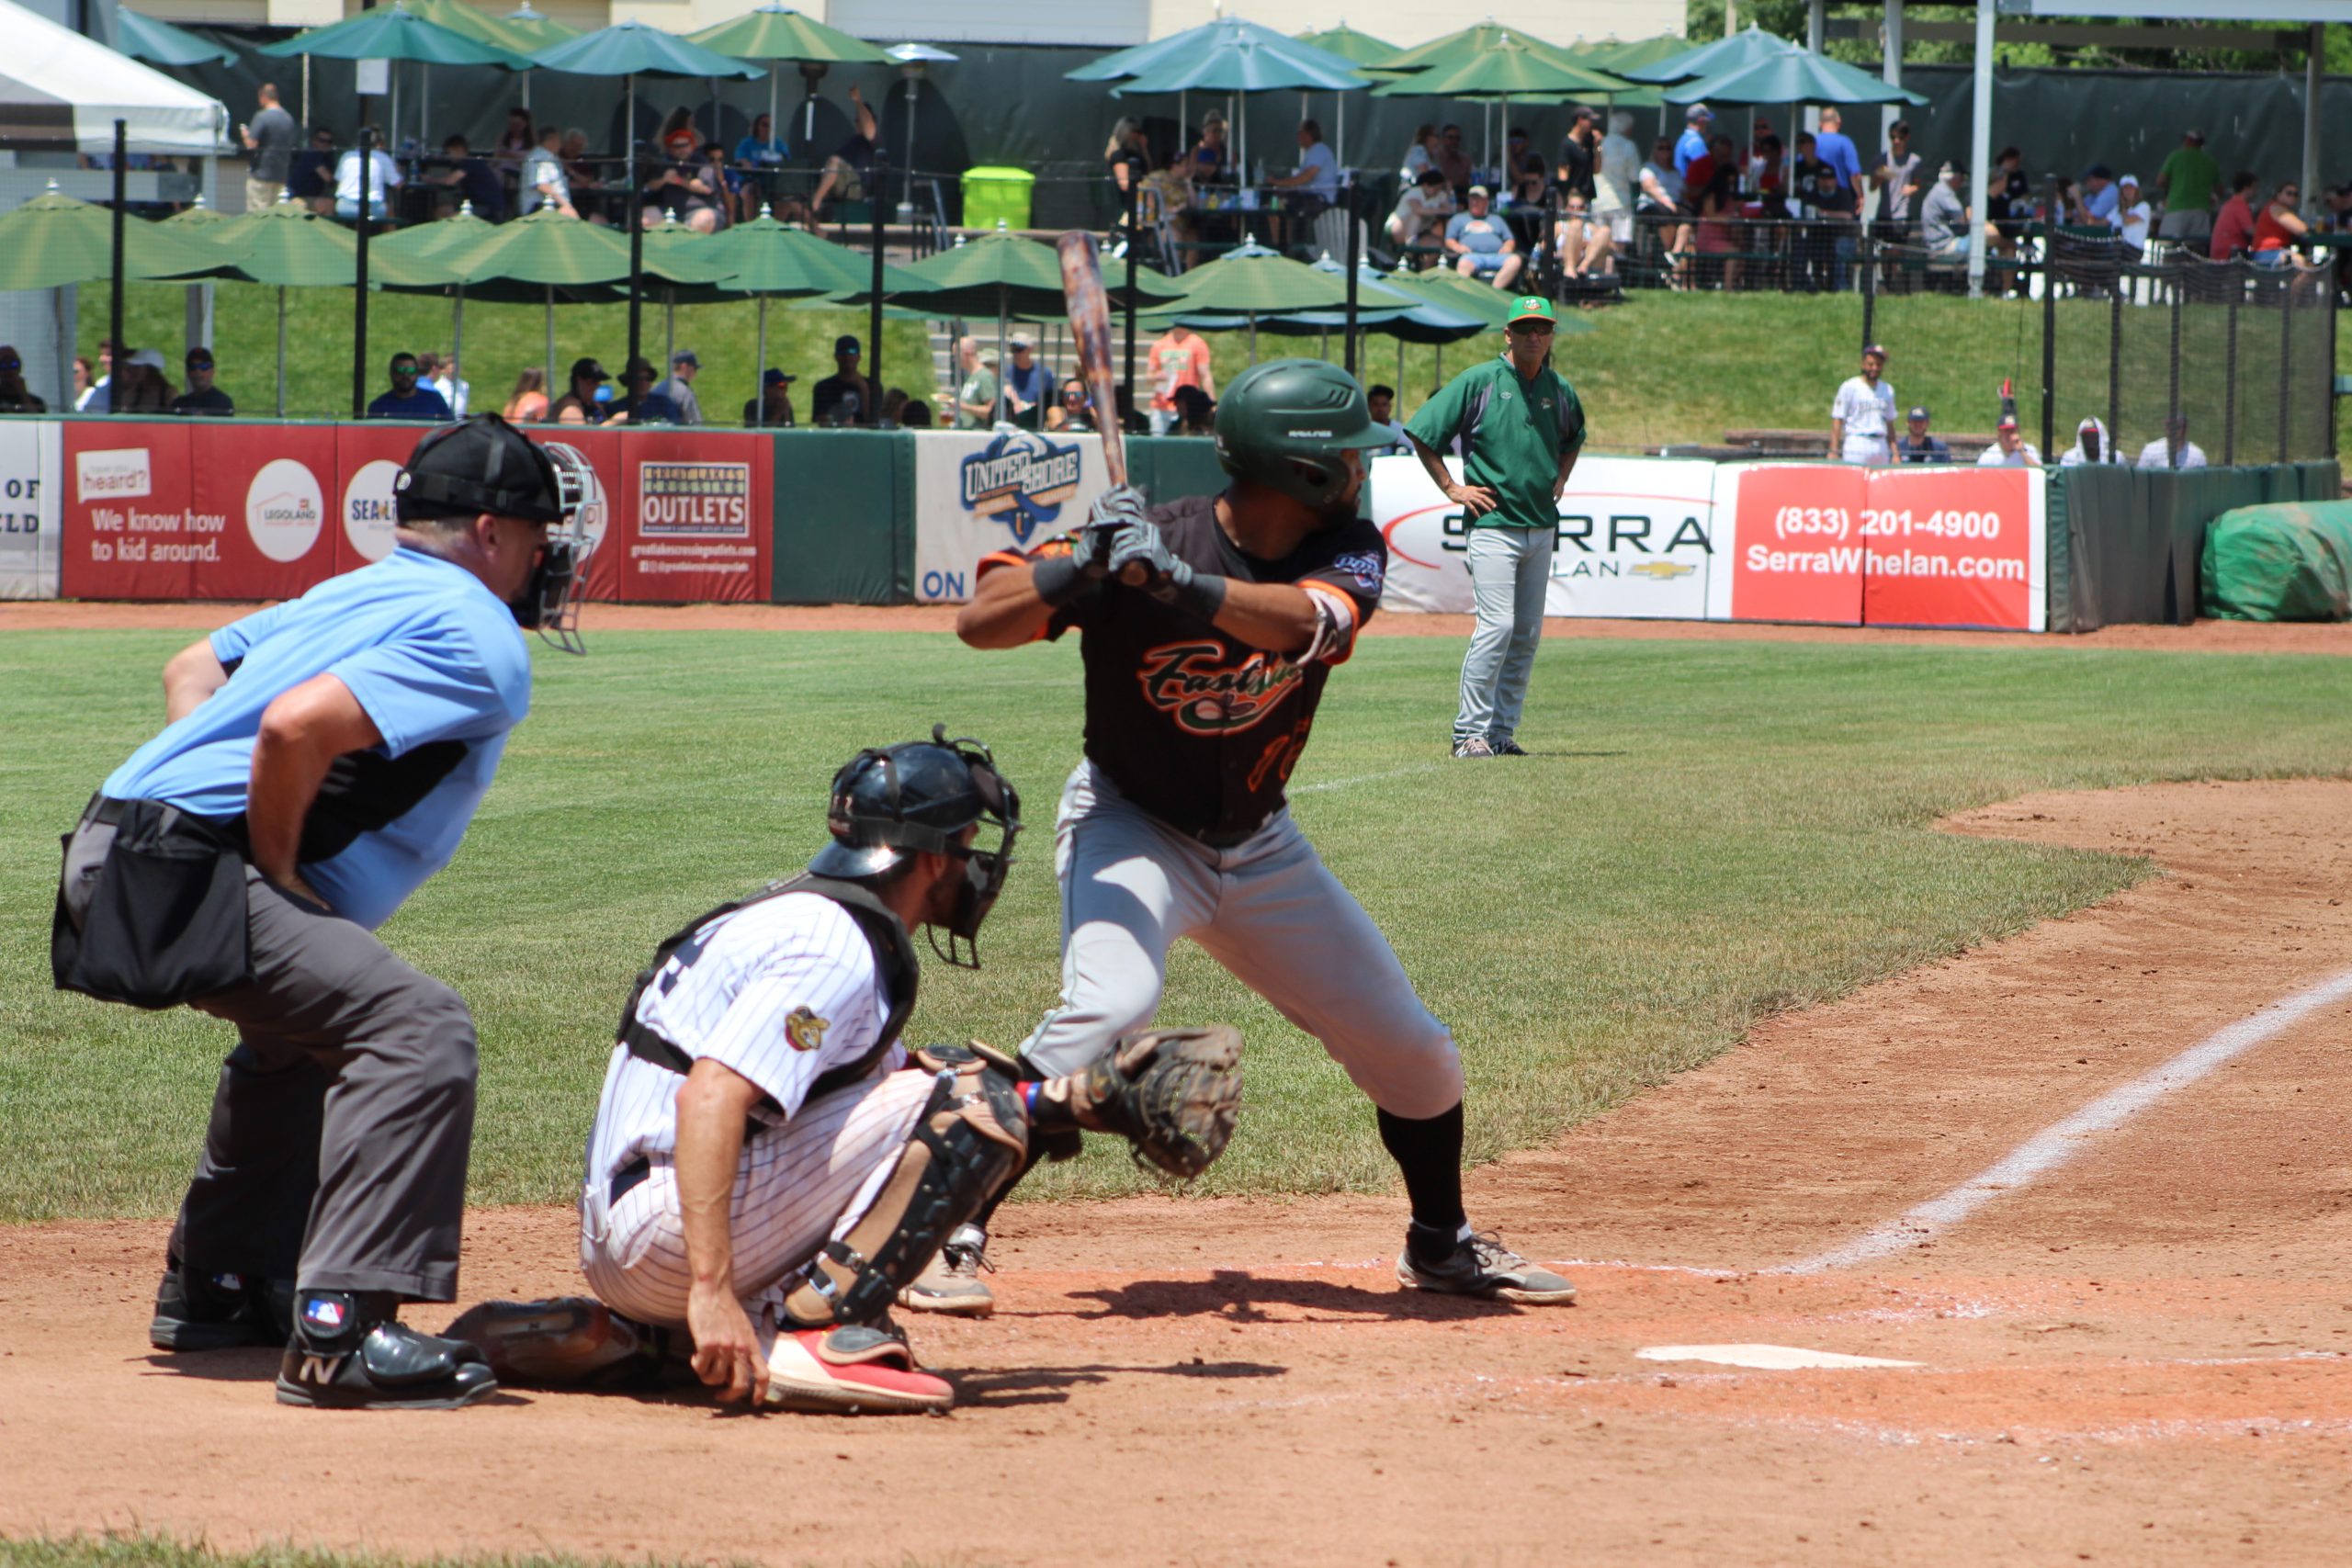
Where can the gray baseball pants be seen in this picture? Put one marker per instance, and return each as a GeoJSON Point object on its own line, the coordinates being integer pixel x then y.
{"type": "Point", "coordinates": [1267, 909]}
{"type": "Point", "coordinates": [1511, 572]}
{"type": "Point", "coordinates": [342, 1121]}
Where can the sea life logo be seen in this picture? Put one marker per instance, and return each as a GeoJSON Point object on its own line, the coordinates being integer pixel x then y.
{"type": "Point", "coordinates": [1020, 479]}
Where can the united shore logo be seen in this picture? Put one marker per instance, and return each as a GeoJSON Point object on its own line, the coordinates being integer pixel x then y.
{"type": "Point", "coordinates": [284, 510]}
{"type": "Point", "coordinates": [1022, 481]}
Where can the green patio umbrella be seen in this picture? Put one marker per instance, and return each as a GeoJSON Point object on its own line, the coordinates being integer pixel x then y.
{"type": "Point", "coordinates": [1621, 55]}
{"type": "Point", "coordinates": [1734, 54]}
{"type": "Point", "coordinates": [426, 243]}
{"type": "Point", "coordinates": [55, 241]}
{"type": "Point", "coordinates": [1349, 44]}
{"type": "Point", "coordinates": [630, 50]}
{"type": "Point", "coordinates": [1462, 52]}
{"type": "Point", "coordinates": [520, 31]}
{"type": "Point", "coordinates": [159, 43]}
{"type": "Point", "coordinates": [1508, 66]}
{"type": "Point", "coordinates": [770, 260]}
{"type": "Point", "coordinates": [1803, 77]}
{"type": "Point", "coordinates": [1225, 49]}
{"type": "Point", "coordinates": [1244, 284]}
{"type": "Point", "coordinates": [779, 35]}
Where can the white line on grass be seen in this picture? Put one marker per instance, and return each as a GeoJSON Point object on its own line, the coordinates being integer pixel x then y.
{"type": "Point", "coordinates": [2056, 1144]}
{"type": "Point", "coordinates": [1365, 778]}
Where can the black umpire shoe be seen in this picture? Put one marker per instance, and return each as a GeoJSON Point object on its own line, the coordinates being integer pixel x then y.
{"type": "Point", "coordinates": [220, 1312]}
{"type": "Point", "coordinates": [350, 1353]}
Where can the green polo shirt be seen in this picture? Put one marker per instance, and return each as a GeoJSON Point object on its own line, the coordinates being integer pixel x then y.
{"type": "Point", "coordinates": [2191, 174]}
{"type": "Point", "coordinates": [1512, 432]}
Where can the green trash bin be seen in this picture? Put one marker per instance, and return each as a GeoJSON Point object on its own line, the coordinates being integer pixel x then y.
{"type": "Point", "coordinates": [994, 195]}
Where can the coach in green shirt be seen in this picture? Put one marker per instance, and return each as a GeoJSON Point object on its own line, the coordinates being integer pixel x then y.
{"type": "Point", "coordinates": [1519, 428]}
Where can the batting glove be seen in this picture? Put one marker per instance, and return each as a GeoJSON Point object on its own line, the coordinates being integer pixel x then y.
{"type": "Point", "coordinates": [1141, 551]}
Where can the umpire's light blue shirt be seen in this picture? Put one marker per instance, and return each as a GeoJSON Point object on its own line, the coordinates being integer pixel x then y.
{"type": "Point", "coordinates": [438, 664]}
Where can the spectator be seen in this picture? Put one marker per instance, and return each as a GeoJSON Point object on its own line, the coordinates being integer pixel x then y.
{"type": "Point", "coordinates": [1422, 211]}
{"type": "Point", "coordinates": [2009, 198]}
{"type": "Point", "coordinates": [1421, 154]}
{"type": "Point", "coordinates": [759, 158]}
{"type": "Point", "coordinates": [2091, 447]}
{"type": "Point", "coordinates": [441, 375]}
{"type": "Point", "coordinates": [1897, 177]}
{"type": "Point", "coordinates": [97, 399]}
{"type": "Point", "coordinates": [1616, 181]}
{"type": "Point", "coordinates": [2186, 183]}
{"type": "Point", "coordinates": [1028, 386]}
{"type": "Point", "coordinates": [638, 402]}
{"type": "Point", "coordinates": [1944, 217]}
{"type": "Point", "coordinates": [683, 190]}
{"type": "Point", "coordinates": [1070, 410]}
{"type": "Point", "coordinates": [1719, 215]}
{"type": "Point", "coordinates": [1835, 148]}
{"type": "Point", "coordinates": [1207, 160]}
{"type": "Point", "coordinates": [772, 410]}
{"type": "Point", "coordinates": [15, 396]}
{"type": "Point", "coordinates": [2099, 195]}
{"type": "Point", "coordinates": [1452, 159]}
{"type": "Point", "coordinates": [1833, 201]}
{"type": "Point", "coordinates": [543, 182]}
{"type": "Point", "coordinates": [1862, 416]}
{"type": "Point", "coordinates": [978, 395]}
{"type": "Point", "coordinates": [2070, 205]}
{"type": "Point", "coordinates": [310, 179]}
{"type": "Point", "coordinates": [1918, 446]}
{"type": "Point", "coordinates": [202, 398]}
{"type": "Point", "coordinates": [83, 383]}
{"type": "Point", "coordinates": [845, 397]}
{"type": "Point", "coordinates": [383, 178]}
{"type": "Point", "coordinates": [516, 143]}
{"type": "Point", "coordinates": [1758, 132]}
{"type": "Point", "coordinates": [918, 416]}
{"type": "Point", "coordinates": [680, 387]}
{"type": "Point", "coordinates": [1524, 176]}
{"type": "Point", "coordinates": [2009, 449]}
{"type": "Point", "coordinates": [585, 401]}
{"type": "Point", "coordinates": [528, 404]}
{"type": "Point", "coordinates": [1195, 414]}
{"type": "Point", "coordinates": [143, 387]}
{"type": "Point", "coordinates": [473, 180]}
{"type": "Point", "coordinates": [1579, 152]}
{"type": "Point", "coordinates": [1180, 358]}
{"type": "Point", "coordinates": [1314, 183]}
{"type": "Point", "coordinates": [1768, 175]}
{"type": "Point", "coordinates": [2234, 227]}
{"type": "Point", "coordinates": [2132, 217]}
{"type": "Point", "coordinates": [712, 161]}
{"type": "Point", "coordinates": [894, 407]}
{"type": "Point", "coordinates": [1123, 402]}
{"type": "Point", "coordinates": [846, 168]}
{"type": "Point", "coordinates": [578, 169]}
{"type": "Point", "coordinates": [1127, 158]}
{"type": "Point", "coordinates": [1660, 185]}
{"type": "Point", "coordinates": [1481, 244]}
{"type": "Point", "coordinates": [2278, 226]}
{"type": "Point", "coordinates": [407, 399]}
{"type": "Point", "coordinates": [2173, 449]}
{"type": "Point", "coordinates": [1693, 144]}
{"type": "Point", "coordinates": [270, 139]}
{"type": "Point", "coordinates": [1381, 402]}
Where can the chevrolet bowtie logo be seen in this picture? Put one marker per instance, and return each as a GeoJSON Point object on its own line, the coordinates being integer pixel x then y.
{"type": "Point", "coordinates": [1664, 570]}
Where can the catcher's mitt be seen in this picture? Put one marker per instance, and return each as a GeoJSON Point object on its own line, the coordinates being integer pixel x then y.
{"type": "Point", "coordinates": [1171, 1093]}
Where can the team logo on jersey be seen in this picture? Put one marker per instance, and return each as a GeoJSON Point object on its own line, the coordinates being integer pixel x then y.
{"type": "Point", "coordinates": [1193, 683]}
{"type": "Point", "coordinates": [1366, 568]}
{"type": "Point", "coordinates": [1022, 481]}
{"type": "Point", "coordinates": [804, 1030]}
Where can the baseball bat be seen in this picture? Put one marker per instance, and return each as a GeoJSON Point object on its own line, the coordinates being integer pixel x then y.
{"type": "Point", "coordinates": [1090, 330]}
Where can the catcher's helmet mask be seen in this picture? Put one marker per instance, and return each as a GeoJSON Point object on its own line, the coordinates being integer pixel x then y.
{"type": "Point", "coordinates": [891, 803]}
{"type": "Point", "coordinates": [485, 465]}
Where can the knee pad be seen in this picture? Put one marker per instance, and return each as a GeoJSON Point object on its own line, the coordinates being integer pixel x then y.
{"type": "Point", "coordinates": [971, 1139]}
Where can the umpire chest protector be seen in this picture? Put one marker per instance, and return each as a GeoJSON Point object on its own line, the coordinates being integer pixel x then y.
{"type": "Point", "coordinates": [894, 961]}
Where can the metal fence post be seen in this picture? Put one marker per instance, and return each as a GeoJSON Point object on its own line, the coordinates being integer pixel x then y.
{"type": "Point", "coordinates": [2286, 360]}
{"type": "Point", "coordinates": [2172, 396]}
{"type": "Point", "coordinates": [2050, 329]}
{"type": "Point", "coordinates": [2115, 351]}
{"type": "Point", "coordinates": [2230, 371]}
{"type": "Point", "coordinates": [1867, 253]}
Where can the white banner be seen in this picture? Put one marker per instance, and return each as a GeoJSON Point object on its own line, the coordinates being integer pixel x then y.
{"type": "Point", "coordinates": [979, 491]}
{"type": "Point", "coordinates": [28, 509]}
{"type": "Point", "coordinates": [1636, 539]}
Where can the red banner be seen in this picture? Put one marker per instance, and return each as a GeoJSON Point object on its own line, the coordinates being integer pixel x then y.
{"type": "Point", "coordinates": [1796, 543]}
{"type": "Point", "coordinates": [210, 509]}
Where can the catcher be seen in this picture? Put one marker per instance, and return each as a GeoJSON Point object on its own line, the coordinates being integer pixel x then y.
{"type": "Point", "coordinates": [770, 1166]}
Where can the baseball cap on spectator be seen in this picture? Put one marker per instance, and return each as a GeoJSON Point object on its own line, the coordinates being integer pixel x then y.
{"type": "Point", "coordinates": [199, 358]}
{"type": "Point", "coordinates": [1431, 176]}
{"type": "Point", "coordinates": [2132, 180]}
{"type": "Point", "coordinates": [2195, 136]}
{"type": "Point", "coordinates": [2008, 422]}
{"type": "Point", "coordinates": [845, 343]}
{"type": "Point", "coordinates": [1481, 190]}
{"type": "Point", "coordinates": [774, 377]}
{"type": "Point", "coordinates": [1949, 171]}
{"type": "Point", "coordinates": [1872, 348]}
{"type": "Point", "coordinates": [640, 366]}
{"type": "Point", "coordinates": [1021, 340]}
{"type": "Point", "coordinates": [1919, 413]}
{"type": "Point", "coordinates": [2098, 172]}
{"type": "Point", "coordinates": [152, 358]}
{"type": "Point", "coordinates": [1698, 112]}
{"type": "Point", "coordinates": [987, 355]}
{"type": "Point", "coordinates": [681, 135]}
{"type": "Point", "coordinates": [588, 369]}
{"type": "Point", "coordinates": [686, 356]}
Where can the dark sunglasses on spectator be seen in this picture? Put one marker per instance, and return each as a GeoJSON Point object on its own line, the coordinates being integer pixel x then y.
{"type": "Point", "coordinates": [200, 365]}
{"type": "Point", "coordinates": [1067, 397]}
{"type": "Point", "coordinates": [10, 367]}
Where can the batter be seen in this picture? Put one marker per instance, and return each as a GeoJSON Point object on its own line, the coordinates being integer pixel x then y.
{"type": "Point", "coordinates": [1200, 690]}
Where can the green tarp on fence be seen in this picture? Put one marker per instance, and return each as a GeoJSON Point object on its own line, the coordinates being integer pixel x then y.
{"type": "Point", "coordinates": [2284, 562]}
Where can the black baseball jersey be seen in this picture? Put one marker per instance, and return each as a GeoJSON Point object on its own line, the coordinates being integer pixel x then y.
{"type": "Point", "coordinates": [1192, 724]}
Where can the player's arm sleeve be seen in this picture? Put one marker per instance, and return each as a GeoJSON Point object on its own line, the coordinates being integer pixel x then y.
{"type": "Point", "coordinates": [1346, 590]}
{"type": "Point", "coordinates": [240, 637]}
{"type": "Point", "coordinates": [443, 680]}
{"type": "Point", "coordinates": [808, 1009]}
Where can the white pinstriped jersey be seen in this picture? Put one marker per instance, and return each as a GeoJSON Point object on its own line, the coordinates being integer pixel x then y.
{"type": "Point", "coordinates": [781, 992]}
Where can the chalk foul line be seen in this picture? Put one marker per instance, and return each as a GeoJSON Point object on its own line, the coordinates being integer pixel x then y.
{"type": "Point", "coordinates": [2058, 1144]}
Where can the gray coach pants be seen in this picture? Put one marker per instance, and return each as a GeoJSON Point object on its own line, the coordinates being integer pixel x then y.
{"type": "Point", "coordinates": [1510, 570]}
{"type": "Point", "coordinates": [1267, 909]}
{"type": "Point", "coordinates": [342, 1121]}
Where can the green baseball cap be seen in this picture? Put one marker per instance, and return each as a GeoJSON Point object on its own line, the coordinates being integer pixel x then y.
{"type": "Point", "coordinates": [1530, 308]}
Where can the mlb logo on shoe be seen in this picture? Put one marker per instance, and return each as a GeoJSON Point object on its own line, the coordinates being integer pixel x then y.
{"type": "Point", "coordinates": [322, 1312]}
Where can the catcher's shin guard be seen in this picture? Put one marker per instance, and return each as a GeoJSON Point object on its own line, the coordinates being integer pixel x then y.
{"type": "Point", "coordinates": [971, 1139]}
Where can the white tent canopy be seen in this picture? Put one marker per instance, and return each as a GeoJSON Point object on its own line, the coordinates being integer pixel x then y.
{"type": "Point", "coordinates": [61, 92]}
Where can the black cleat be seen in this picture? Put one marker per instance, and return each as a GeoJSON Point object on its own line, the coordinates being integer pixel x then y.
{"type": "Point", "coordinates": [349, 1353]}
{"type": "Point", "coordinates": [1479, 1265]}
{"type": "Point", "coordinates": [220, 1312]}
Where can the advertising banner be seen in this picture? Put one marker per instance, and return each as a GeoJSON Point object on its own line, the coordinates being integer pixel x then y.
{"type": "Point", "coordinates": [30, 539]}
{"type": "Point", "coordinates": [978, 492]}
{"type": "Point", "coordinates": [1793, 537]}
{"type": "Point", "coordinates": [146, 520]}
{"type": "Point", "coordinates": [693, 525]}
{"type": "Point", "coordinates": [1636, 539]}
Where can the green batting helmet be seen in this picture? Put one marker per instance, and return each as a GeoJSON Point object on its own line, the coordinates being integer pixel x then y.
{"type": "Point", "coordinates": [1284, 424]}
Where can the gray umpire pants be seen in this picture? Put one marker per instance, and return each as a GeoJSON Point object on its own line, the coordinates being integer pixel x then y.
{"type": "Point", "coordinates": [1511, 572]}
{"type": "Point", "coordinates": [1267, 909]}
{"type": "Point", "coordinates": [342, 1121]}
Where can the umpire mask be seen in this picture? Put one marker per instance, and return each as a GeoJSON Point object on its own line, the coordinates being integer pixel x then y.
{"type": "Point", "coordinates": [485, 465]}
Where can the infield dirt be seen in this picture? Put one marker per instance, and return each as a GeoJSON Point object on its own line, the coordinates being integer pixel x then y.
{"type": "Point", "coordinates": [2146, 1356]}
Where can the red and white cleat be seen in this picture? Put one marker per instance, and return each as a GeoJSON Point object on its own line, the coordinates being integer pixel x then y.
{"type": "Point", "coordinates": [855, 1370]}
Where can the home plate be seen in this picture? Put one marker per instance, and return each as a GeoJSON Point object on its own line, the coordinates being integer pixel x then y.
{"type": "Point", "coordinates": [1769, 1357]}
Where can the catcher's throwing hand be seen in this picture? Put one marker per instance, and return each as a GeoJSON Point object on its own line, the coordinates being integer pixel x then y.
{"type": "Point", "coordinates": [727, 1348]}
{"type": "Point", "coordinates": [1171, 1093]}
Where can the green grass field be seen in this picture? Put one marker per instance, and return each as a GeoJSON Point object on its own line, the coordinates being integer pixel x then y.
{"type": "Point", "coordinates": [1709, 834]}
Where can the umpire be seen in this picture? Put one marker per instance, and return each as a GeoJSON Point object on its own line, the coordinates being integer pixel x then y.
{"type": "Point", "coordinates": [1519, 428]}
{"type": "Point", "coordinates": [323, 760]}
